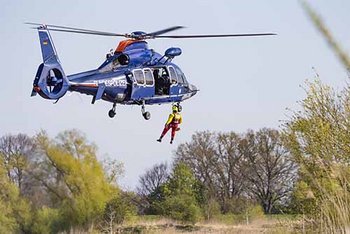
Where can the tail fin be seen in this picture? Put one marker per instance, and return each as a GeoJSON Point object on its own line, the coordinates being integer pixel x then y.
{"type": "Point", "coordinates": [47, 47]}
{"type": "Point", "coordinates": [50, 80]}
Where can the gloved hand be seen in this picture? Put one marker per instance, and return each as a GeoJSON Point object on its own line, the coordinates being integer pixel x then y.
{"type": "Point", "coordinates": [178, 129]}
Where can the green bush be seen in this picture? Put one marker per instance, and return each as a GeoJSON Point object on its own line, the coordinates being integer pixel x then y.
{"type": "Point", "coordinates": [211, 209]}
{"type": "Point", "coordinates": [235, 205]}
{"type": "Point", "coordinates": [120, 209]}
{"type": "Point", "coordinates": [7, 222]}
{"type": "Point", "coordinates": [14, 210]}
{"type": "Point", "coordinates": [182, 208]}
{"type": "Point", "coordinates": [47, 220]}
{"type": "Point", "coordinates": [255, 212]}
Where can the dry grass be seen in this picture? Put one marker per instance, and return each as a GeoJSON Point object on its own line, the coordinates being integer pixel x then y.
{"type": "Point", "coordinates": [164, 226]}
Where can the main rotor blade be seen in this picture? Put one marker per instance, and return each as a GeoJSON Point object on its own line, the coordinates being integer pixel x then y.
{"type": "Point", "coordinates": [219, 35]}
{"type": "Point", "coordinates": [166, 30]}
{"type": "Point", "coordinates": [76, 30]}
{"type": "Point", "coordinates": [156, 34]}
{"type": "Point", "coordinates": [87, 32]}
{"type": "Point", "coordinates": [61, 27]}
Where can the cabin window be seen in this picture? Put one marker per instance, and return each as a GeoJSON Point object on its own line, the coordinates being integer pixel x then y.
{"type": "Point", "coordinates": [180, 76]}
{"type": "Point", "coordinates": [148, 76]}
{"type": "Point", "coordinates": [138, 75]}
{"type": "Point", "coordinates": [172, 75]}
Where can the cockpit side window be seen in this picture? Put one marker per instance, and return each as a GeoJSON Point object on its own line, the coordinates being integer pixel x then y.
{"type": "Point", "coordinates": [138, 75]}
{"type": "Point", "coordinates": [173, 76]}
{"type": "Point", "coordinates": [148, 76]}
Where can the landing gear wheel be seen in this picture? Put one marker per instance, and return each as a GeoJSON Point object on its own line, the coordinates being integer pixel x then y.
{"type": "Point", "coordinates": [146, 115]}
{"type": "Point", "coordinates": [111, 113]}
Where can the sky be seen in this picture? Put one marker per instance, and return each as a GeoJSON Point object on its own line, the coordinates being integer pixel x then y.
{"type": "Point", "coordinates": [245, 83]}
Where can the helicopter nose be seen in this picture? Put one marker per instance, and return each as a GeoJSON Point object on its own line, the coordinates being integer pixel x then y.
{"type": "Point", "coordinates": [193, 89]}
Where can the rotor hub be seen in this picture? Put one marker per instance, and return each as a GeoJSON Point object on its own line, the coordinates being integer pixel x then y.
{"type": "Point", "coordinates": [138, 35]}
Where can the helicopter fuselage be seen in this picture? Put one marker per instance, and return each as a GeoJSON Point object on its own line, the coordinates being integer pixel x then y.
{"type": "Point", "coordinates": [136, 75]}
{"type": "Point", "coordinates": [155, 84]}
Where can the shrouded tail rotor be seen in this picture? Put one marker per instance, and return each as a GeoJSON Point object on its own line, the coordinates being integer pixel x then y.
{"type": "Point", "coordinates": [50, 81]}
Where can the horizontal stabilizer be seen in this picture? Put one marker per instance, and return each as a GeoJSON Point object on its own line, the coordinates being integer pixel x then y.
{"type": "Point", "coordinates": [34, 93]}
{"type": "Point", "coordinates": [100, 91]}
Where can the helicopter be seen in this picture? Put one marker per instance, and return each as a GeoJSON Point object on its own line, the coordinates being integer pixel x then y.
{"type": "Point", "coordinates": [132, 74]}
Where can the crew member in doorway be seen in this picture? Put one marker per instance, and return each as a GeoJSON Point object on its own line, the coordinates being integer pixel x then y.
{"type": "Point", "coordinates": [173, 122]}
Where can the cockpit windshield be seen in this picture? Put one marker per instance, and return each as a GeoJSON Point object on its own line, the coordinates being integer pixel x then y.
{"type": "Point", "coordinates": [181, 76]}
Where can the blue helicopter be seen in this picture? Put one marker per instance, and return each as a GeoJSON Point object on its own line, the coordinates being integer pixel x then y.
{"type": "Point", "coordinates": [133, 74]}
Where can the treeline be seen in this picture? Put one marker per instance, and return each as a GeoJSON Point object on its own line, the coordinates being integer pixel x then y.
{"type": "Point", "coordinates": [52, 185]}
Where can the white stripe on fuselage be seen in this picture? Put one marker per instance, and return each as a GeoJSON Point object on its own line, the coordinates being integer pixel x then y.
{"type": "Point", "coordinates": [114, 82]}
{"type": "Point", "coordinates": [110, 82]}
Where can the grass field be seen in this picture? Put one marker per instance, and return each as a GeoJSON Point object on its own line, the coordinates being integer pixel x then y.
{"type": "Point", "coordinates": [221, 224]}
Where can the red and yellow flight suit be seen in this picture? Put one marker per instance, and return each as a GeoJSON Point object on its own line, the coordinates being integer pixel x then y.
{"type": "Point", "coordinates": [173, 122]}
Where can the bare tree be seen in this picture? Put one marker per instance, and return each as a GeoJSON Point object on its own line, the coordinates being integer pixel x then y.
{"type": "Point", "coordinates": [149, 189]}
{"type": "Point", "coordinates": [153, 179]}
{"type": "Point", "coordinates": [15, 151]}
{"type": "Point", "coordinates": [229, 168]}
{"type": "Point", "coordinates": [270, 169]}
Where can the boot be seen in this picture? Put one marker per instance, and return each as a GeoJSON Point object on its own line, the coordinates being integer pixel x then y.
{"type": "Point", "coordinates": [160, 139]}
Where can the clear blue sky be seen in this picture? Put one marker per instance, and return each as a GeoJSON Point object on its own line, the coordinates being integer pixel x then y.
{"type": "Point", "coordinates": [245, 83]}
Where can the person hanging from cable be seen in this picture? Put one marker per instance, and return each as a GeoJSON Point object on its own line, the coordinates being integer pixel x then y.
{"type": "Point", "coordinates": [173, 122]}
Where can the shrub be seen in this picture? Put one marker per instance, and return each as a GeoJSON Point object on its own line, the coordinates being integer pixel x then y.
{"type": "Point", "coordinates": [47, 220]}
{"type": "Point", "coordinates": [182, 208]}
